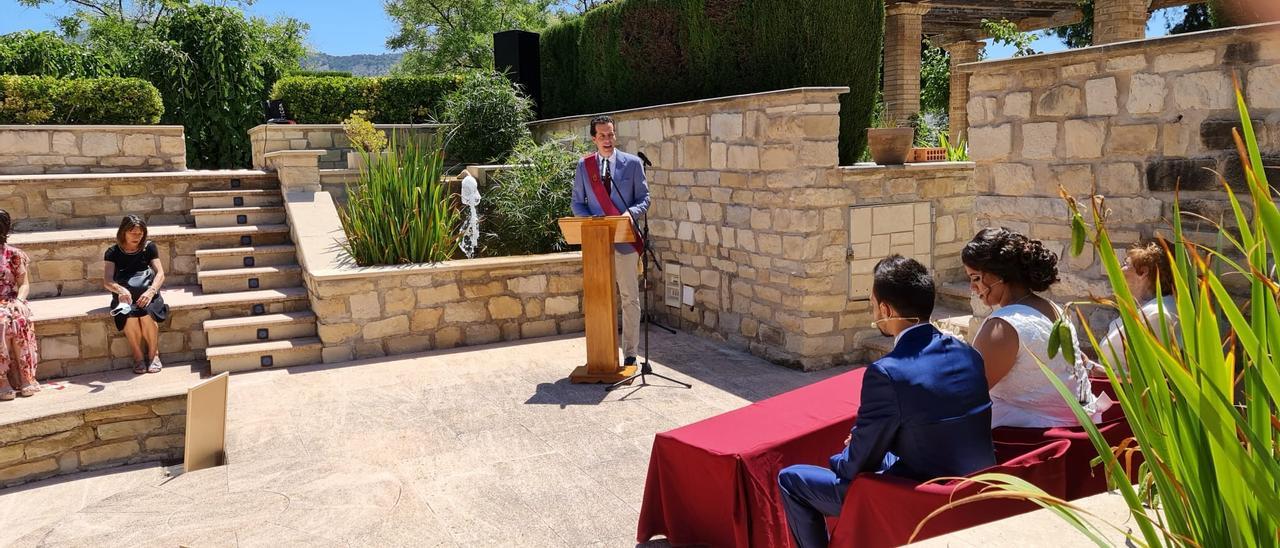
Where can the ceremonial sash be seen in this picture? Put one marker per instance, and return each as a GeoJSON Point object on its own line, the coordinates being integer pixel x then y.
{"type": "Point", "coordinates": [602, 196]}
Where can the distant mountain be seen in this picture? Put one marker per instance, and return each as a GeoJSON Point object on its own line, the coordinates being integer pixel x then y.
{"type": "Point", "coordinates": [358, 65]}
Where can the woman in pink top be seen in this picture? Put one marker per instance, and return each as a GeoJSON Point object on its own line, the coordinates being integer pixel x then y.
{"type": "Point", "coordinates": [18, 349]}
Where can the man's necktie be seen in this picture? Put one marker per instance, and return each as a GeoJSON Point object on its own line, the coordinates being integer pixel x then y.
{"type": "Point", "coordinates": [608, 178]}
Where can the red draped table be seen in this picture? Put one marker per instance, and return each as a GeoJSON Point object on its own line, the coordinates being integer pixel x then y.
{"type": "Point", "coordinates": [715, 482]}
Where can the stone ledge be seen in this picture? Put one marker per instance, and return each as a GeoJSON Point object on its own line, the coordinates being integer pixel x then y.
{"type": "Point", "coordinates": [356, 272]}
{"type": "Point", "coordinates": [102, 391]}
{"type": "Point", "coordinates": [89, 178]}
{"type": "Point", "coordinates": [1200, 40]}
{"type": "Point", "coordinates": [919, 166]}
{"type": "Point", "coordinates": [178, 298]}
{"type": "Point", "coordinates": [72, 127]}
{"type": "Point", "coordinates": [836, 90]}
{"type": "Point", "coordinates": [96, 235]}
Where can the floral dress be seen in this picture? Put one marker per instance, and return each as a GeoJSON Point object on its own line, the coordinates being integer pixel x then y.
{"type": "Point", "coordinates": [17, 333]}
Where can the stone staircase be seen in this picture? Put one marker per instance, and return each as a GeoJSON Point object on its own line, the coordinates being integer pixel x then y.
{"type": "Point", "coordinates": [260, 339]}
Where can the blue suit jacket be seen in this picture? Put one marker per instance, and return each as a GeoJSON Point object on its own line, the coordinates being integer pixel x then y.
{"type": "Point", "coordinates": [630, 193]}
{"type": "Point", "coordinates": [925, 412]}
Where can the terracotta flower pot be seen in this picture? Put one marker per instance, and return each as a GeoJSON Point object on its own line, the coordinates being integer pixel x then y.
{"type": "Point", "coordinates": [890, 146]}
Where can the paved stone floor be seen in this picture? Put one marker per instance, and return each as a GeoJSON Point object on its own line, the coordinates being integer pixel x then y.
{"type": "Point", "coordinates": [487, 446]}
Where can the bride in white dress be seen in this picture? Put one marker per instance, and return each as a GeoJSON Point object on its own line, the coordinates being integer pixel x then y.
{"type": "Point", "coordinates": [1006, 270]}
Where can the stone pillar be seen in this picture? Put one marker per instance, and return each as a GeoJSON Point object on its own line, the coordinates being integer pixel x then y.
{"type": "Point", "coordinates": [902, 35]}
{"type": "Point", "coordinates": [1119, 20]}
{"type": "Point", "coordinates": [962, 52]}
{"type": "Point", "coordinates": [297, 170]}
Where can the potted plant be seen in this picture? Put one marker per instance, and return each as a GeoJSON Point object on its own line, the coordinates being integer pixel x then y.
{"type": "Point", "coordinates": [366, 140]}
{"type": "Point", "coordinates": [888, 141]}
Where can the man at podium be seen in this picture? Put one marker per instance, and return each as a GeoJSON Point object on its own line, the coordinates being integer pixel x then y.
{"type": "Point", "coordinates": [612, 182]}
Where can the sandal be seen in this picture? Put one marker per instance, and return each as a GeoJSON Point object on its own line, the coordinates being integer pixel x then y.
{"type": "Point", "coordinates": [140, 367]}
{"type": "Point", "coordinates": [8, 395]}
{"type": "Point", "coordinates": [155, 365]}
{"type": "Point", "coordinates": [29, 390]}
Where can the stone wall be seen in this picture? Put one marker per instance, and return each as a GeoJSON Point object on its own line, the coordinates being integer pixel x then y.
{"type": "Point", "coordinates": [52, 202]}
{"type": "Point", "coordinates": [330, 138]}
{"type": "Point", "coordinates": [748, 201]}
{"type": "Point", "coordinates": [390, 311]}
{"type": "Point", "coordinates": [69, 263]}
{"type": "Point", "coordinates": [91, 149]}
{"type": "Point", "coordinates": [143, 431]}
{"type": "Point", "coordinates": [1128, 121]}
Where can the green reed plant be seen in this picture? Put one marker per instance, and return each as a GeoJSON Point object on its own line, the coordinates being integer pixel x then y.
{"type": "Point", "coordinates": [401, 211]}
{"type": "Point", "coordinates": [1202, 405]}
{"type": "Point", "coordinates": [957, 152]}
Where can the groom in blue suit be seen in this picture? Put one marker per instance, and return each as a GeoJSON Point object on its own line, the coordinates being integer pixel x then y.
{"type": "Point", "coordinates": [925, 412]}
{"type": "Point", "coordinates": [612, 182]}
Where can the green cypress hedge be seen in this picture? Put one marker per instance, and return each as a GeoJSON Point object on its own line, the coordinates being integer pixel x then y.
{"type": "Point", "coordinates": [634, 53]}
{"type": "Point", "coordinates": [46, 100]}
{"type": "Point", "coordinates": [390, 100]}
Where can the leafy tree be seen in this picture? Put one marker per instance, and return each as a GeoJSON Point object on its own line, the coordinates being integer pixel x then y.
{"type": "Point", "coordinates": [212, 64]}
{"type": "Point", "coordinates": [446, 35]}
{"type": "Point", "coordinates": [1006, 32]}
{"type": "Point", "coordinates": [935, 79]}
{"type": "Point", "coordinates": [1195, 17]}
{"type": "Point", "coordinates": [136, 12]}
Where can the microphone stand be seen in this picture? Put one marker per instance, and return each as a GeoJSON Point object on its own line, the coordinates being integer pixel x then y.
{"type": "Point", "coordinates": [646, 368]}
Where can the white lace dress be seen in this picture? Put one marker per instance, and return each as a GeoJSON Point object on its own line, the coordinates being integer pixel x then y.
{"type": "Point", "coordinates": [1025, 397]}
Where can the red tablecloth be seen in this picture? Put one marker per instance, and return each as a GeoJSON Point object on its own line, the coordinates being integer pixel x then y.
{"type": "Point", "coordinates": [715, 482]}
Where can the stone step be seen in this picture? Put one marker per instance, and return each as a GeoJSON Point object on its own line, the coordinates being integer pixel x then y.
{"type": "Point", "coordinates": [239, 216]}
{"type": "Point", "coordinates": [202, 199]}
{"type": "Point", "coordinates": [221, 179]}
{"type": "Point", "coordinates": [177, 297]}
{"type": "Point", "coordinates": [246, 257]}
{"type": "Point", "coordinates": [247, 279]}
{"type": "Point", "coordinates": [258, 355]}
{"type": "Point", "coordinates": [268, 327]}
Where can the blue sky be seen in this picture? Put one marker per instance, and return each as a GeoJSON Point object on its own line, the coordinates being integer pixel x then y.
{"type": "Point", "coordinates": [340, 28]}
{"type": "Point", "coordinates": [337, 27]}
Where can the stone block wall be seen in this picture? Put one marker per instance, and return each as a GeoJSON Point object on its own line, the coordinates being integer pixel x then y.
{"type": "Point", "coordinates": [65, 266]}
{"type": "Point", "coordinates": [748, 201]}
{"type": "Point", "coordinates": [383, 312]}
{"type": "Point", "coordinates": [55, 202]}
{"type": "Point", "coordinates": [143, 431]}
{"type": "Point", "coordinates": [330, 138]}
{"type": "Point", "coordinates": [91, 149]}
{"type": "Point", "coordinates": [1130, 121]}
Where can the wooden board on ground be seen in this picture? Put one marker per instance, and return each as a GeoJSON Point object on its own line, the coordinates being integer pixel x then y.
{"type": "Point", "coordinates": [206, 424]}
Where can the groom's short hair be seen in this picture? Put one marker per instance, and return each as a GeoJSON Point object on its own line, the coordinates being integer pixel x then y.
{"type": "Point", "coordinates": [906, 285]}
{"type": "Point", "coordinates": [598, 120]}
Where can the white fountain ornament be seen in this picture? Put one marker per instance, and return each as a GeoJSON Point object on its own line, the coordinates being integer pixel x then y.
{"type": "Point", "coordinates": [471, 199]}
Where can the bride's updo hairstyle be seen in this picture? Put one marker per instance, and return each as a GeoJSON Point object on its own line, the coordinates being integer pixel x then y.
{"type": "Point", "coordinates": [1013, 257]}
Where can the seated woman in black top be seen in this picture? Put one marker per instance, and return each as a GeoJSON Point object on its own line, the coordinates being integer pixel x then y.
{"type": "Point", "coordinates": [133, 274]}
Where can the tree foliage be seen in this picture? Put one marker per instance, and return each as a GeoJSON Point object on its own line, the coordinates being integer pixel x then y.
{"type": "Point", "coordinates": [935, 79]}
{"type": "Point", "coordinates": [489, 117]}
{"type": "Point", "coordinates": [637, 53]}
{"type": "Point", "coordinates": [446, 35]}
{"type": "Point", "coordinates": [212, 64]}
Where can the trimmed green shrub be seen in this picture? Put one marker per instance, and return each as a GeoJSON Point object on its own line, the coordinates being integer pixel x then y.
{"type": "Point", "coordinates": [322, 73]}
{"type": "Point", "coordinates": [392, 100]}
{"type": "Point", "coordinates": [45, 54]}
{"type": "Point", "coordinates": [635, 53]}
{"type": "Point", "coordinates": [45, 100]}
{"type": "Point", "coordinates": [489, 118]}
{"type": "Point", "coordinates": [520, 206]}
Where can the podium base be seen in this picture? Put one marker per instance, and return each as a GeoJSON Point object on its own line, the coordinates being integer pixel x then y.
{"type": "Point", "coordinates": [580, 375]}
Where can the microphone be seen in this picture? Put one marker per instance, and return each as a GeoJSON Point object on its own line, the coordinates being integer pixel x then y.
{"type": "Point", "coordinates": [644, 159]}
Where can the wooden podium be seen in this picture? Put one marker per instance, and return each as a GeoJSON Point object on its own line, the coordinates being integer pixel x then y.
{"type": "Point", "coordinates": [597, 236]}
